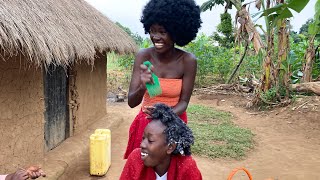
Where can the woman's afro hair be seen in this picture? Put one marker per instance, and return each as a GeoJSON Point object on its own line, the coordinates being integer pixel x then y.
{"type": "Point", "coordinates": [176, 130]}
{"type": "Point", "coordinates": [181, 18]}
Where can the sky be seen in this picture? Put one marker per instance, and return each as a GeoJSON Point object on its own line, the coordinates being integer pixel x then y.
{"type": "Point", "coordinates": [128, 13]}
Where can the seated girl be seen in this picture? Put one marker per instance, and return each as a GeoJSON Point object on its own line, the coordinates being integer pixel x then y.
{"type": "Point", "coordinates": [164, 152]}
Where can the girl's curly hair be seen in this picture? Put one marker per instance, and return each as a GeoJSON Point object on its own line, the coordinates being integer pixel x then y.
{"type": "Point", "coordinates": [181, 18]}
{"type": "Point", "coordinates": [176, 130]}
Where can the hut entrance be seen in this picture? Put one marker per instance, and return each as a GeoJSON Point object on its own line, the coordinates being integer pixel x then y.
{"type": "Point", "coordinates": [56, 106]}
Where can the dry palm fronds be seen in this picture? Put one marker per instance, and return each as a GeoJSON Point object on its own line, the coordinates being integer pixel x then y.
{"type": "Point", "coordinates": [58, 32]}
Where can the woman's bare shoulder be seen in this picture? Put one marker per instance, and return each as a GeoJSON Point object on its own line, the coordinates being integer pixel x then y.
{"type": "Point", "coordinates": [187, 56]}
{"type": "Point", "coordinates": [143, 54]}
{"type": "Point", "coordinates": [145, 51]}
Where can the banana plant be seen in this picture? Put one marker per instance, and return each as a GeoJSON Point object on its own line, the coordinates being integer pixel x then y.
{"type": "Point", "coordinates": [283, 10]}
{"type": "Point", "coordinates": [313, 31]}
{"type": "Point", "coordinates": [243, 16]}
{"type": "Point", "coordinates": [276, 18]}
{"type": "Point", "coordinates": [267, 77]}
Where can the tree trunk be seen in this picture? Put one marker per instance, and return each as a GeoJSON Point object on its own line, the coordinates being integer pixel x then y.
{"type": "Point", "coordinates": [268, 67]}
{"type": "Point", "coordinates": [307, 87]}
{"type": "Point", "coordinates": [237, 67]}
{"type": "Point", "coordinates": [267, 76]}
{"type": "Point", "coordinates": [309, 57]}
{"type": "Point", "coordinates": [281, 72]}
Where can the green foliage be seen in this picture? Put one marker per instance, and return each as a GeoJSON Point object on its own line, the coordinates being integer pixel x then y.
{"type": "Point", "coordinates": [282, 11]}
{"type": "Point", "coordinates": [297, 5]}
{"type": "Point", "coordinates": [208, 114]}
{"type": "Point", "coordinates": [251, 65]}
{"type": "Point", "coordinates": [316, 66]}
{"type": "Point", "coordinates": [135, 36]}
{"type": "Point", "coordinates": [211, 3]}
{"type": "Point", "coordinates": [304, 28]}
{"type": "Point", "coordinates": [270, 95]}
{"type": "Point", "coordinates": [225, 25]}
{"type": "Point", "coordinates": [225, 28]}
{"type": "Point", "coordinates": [295, 37]}
{"type": "Point", "coordinates": [215, 134]}
{"type": "Point", "coordinates": [119, 69]}
{"type": "Point", "coordinates": [216, 63]}
{"type": "Point", "coordinates": [126, 61]}
{"type": "Point", "coordinates": [146, 43]}
{"type": "Point", "coordinates": [296, 60]}
{"type": "Point", "coordinates": [208, 5]}
{"type": "Point", "coordinates": [314, 27]}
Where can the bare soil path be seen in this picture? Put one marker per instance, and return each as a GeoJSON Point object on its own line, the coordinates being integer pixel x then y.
{"type": "Point", "coordinates": [287, 144]}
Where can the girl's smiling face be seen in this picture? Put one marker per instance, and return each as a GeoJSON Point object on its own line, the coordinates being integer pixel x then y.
{"type": "Point", "coordinates": [155, 151]}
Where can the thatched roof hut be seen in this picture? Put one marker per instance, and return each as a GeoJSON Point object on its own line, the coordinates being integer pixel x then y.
{"type": "Point", "coordinates": [41, 107]}
{"type": "Point", "coordinates": [58, 32]}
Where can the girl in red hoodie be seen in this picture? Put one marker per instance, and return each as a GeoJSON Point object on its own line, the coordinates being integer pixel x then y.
{"type": "Point", "coordinates": [164, 153]}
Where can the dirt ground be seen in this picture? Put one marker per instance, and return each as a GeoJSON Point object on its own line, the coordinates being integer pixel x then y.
{"type": "Point", "coordinates": [286, 141]}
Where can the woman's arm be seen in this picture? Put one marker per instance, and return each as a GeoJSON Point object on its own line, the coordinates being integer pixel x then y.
{"type": "Point", "coordinates": [189, 74]}
{"type": "Point", "coordinates": [140, 76]}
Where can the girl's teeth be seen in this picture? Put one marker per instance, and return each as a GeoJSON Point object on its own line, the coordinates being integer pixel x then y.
{"type": "Point", "coordinates": [144, 154]}
{"type": "Point", "coordinates": [158, 44]}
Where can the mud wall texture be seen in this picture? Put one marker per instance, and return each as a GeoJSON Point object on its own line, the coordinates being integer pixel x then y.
{"type": "Point", "coordinates": [21, 114]}
{"type": "Point", "coordinates": [91, 87]}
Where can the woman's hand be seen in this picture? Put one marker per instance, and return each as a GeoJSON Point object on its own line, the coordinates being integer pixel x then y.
{"type": "Point", "coordinates": [148, 110]}
{"type": "Point", "coordinates": [32, 172]}
{"type": "Point", "coordinates": [145, 75]}
{"type": "Point", "coordinates": [35, 172]}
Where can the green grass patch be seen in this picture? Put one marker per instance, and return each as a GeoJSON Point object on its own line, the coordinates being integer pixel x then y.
{"type": "Point", "coordinates": [216, 135]}
{"type": "Point", "coordinates": [119, 69]}
{"type": "Point", "coordinates": [112, 62]}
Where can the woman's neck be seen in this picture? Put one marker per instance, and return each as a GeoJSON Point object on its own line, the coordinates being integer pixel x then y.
{"type": "Point", "coordinates": [162, 168]}
{"type": "Point", "coordinates": [166, 56]}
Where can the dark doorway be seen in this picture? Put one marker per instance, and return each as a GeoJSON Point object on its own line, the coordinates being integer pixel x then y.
{"type": "Point", "coordinates": [56, 106]}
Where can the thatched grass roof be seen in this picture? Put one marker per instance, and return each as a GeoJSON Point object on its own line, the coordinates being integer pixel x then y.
{"type": "Point", "coordinates": [58, 32]}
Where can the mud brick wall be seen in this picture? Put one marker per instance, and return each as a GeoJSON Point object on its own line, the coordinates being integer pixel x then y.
{"type": "Point", "coordinates": [21, 114]}
{"type": "Point", "coordinates": [91, 91]}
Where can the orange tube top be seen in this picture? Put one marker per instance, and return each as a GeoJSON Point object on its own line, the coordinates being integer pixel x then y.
{"type": "Point", "coordinates": [171, 90]}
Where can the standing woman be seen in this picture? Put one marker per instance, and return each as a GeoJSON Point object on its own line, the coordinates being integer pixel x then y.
{"type": "Point", "coordinates": [168, 22]}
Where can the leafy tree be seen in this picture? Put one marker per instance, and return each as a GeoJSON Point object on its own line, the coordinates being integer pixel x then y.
{"type": "Point", "coordinates": [304, 28]}
{"type": "Point", "coordinates": [243, 16]}
{"type": "Point", "coordinates": [225, 28]}
{"type": "Point", "coordinates": [135, 36]}
{"type": "Point", "coordinates": [276, 63]}
{"type": "Point", "coordinates": [313, 31]}
{"type": "Point", "coordinates": [295, 36]}
{"type": "Point", "coordinates": [211, 3]}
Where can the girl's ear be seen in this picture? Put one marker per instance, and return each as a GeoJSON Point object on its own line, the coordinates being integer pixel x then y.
{"type": "Point", "coordinates": [171, 148]}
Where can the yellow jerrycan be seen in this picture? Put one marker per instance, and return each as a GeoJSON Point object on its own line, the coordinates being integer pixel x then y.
{"type": "Point", "coordinates": [100, 152]}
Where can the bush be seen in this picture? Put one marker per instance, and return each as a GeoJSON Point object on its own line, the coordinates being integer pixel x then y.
{"type": "Point", "coordinates": [215, 63]}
